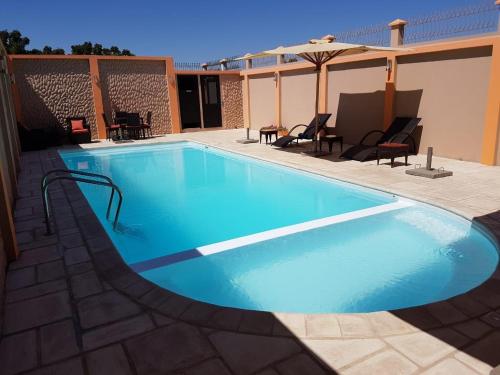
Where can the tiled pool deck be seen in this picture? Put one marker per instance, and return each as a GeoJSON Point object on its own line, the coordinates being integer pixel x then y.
{"type": "Point", "coordinates": [73, 307]}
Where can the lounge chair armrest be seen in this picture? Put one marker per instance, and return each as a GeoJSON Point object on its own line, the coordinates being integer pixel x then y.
{"type": "Point", "coordinates": [295, 127]}
{"type": "Point", "coordinates": [368, 134]}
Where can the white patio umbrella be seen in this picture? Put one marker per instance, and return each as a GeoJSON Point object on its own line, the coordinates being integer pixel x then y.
{"type": "Point", "coordinates": [318, 52]}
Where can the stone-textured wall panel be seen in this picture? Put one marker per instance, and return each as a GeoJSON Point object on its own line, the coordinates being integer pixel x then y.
{"type": "Point", "coordinates": [136, 86]}
{"type": "Point", "coordinates": [52, 90]}
{"type": "Point", "coordinates": [232, 99]}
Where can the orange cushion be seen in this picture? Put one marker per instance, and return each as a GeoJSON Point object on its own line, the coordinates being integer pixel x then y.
{"type": "Point", "coordinates": [79, 131]}
{"type": "Point", "coordinates": [77, 125]}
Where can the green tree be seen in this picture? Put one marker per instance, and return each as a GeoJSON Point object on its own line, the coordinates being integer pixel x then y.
{"type": "Point", "coordinates": [14, 41]}
{"type": "Point", "coordinates": [97, 49]}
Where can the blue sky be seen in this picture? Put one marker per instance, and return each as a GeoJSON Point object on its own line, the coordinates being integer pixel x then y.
{"type": "Point", "coordinates": [200, 30]}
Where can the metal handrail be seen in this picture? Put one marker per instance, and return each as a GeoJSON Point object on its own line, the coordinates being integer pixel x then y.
{"type": "Point", "coordinates": [107, 182]}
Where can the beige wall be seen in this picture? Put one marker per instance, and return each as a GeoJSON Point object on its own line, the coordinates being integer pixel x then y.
{"type": "Point", "coordinates": [298, 97]}
{"type": "Point", "coordinates": [356, 98]}
{"type": "Point", "coordinates": [453, 99]}
{"type": "Point", "coordinates": [262, 89]}
{"type": "Point", "coordinates": [232, 101]}
{"type": "Point", "coordinates": [136, 86]}
{"type": "Point", "coordinates": [52, 90]}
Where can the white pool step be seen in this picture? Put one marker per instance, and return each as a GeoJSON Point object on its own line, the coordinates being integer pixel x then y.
{"type": "Point", "coordinates": [302, 227]}
{"type": "Point", "coordinates": [235, 243]}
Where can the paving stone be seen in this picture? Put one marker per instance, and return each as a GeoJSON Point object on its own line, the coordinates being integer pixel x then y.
{"type": "Point", "coordinates": [246, 354]}
{"type": "Point", "coordinates": [268, 371]}
{"type": "Point", "coordinates": [492, 318]}
{"type": "Point", "coordinates": [70, 367]}
{"type": "Point", "coordinates": [71, 240]}
{"type": "Point", "coordinates": [354, 326]}
{"type": "Point", "coordinates": [422, 348]}
{"type": "Point", "coordinates": [50, 271]}
{"type": "Point", "coordinates": [18, 353]}
{"type": "Point", "coordinates": [386, 323]}
{"type": "Point", "coordinates": [450, 336]}
{"type": "Point", "coordinates": [24, 237]}
{"type": "Point", "coordinates": [162, 320]}
{"type": "Point", "coordinates": [37, 256]}
{"type": "Point", "coordinates": [486, 349]}
{"type": "Point", "coordinates": [36, 290]}
{"type": "Point", "coordinates": [108, 361]}
{"type": "Point", "coordinates": [227, 319]}
{"type": "Point", "coordinates": [473, 328]}
{"type": "Point", "coordinates": [486, 297]}
{"type": "Point", "coordinates": [418, 317]}
{"type": "Point", "coordinates": [58, 341]}
{"type": "Point", "coordinates": [20, 278]}
{"type": "Point", "coordinates": [112, 333]}
{"type": "Point", "coordinates": [76, 269]}
{"type": "Point", "coordinates": [446, 313]}
{"type": "Point", "coordinates": [155, 297]}
{"type": "Point", "coordinates": [100, 243]}
{"type": "Point", "coordinates": [469, 305]}
{"type": "Point", "coordinates": [210, 367]}
{"type": "Point", "coordinates": [479, 366]}
{"type": "Point", "coordinates": [337, 353]}
{"type": "Point", "coordinates": [199, 313]}
{"type": "Point", "coordinates": [105, 308]}
{"type": "Point", "coordinates": [85, 284]}
{"type": "Point", "coordinates": [36, 312]}
{"type": "Point", "coordinates": [258, 322]}
{"type": "Point", "coordinates": [168, 348]}
{"type": "Point", "coordinates": [76, 255]}
{"type": "Point", "coordinates": [298, 365]}
{"type": "Point", "coordinates": [449, 366]}
{"type": "Point", "coordinates": [322, 325]}
{"type": "Point", "coordinates": [386, 363]}
{"type": "Point", "coordinates": [293, 325]}
{"type": "Point", "coordinates": [173, 307]}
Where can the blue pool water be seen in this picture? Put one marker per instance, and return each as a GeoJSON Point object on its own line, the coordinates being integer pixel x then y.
{"type": "Point", "coordinates": [233, 231]}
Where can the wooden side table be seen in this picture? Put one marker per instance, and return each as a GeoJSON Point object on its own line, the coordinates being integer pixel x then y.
{"type": "Point", "coordinates": [268, 133]}
{"type": "Point", "coordinates": [331, 139]}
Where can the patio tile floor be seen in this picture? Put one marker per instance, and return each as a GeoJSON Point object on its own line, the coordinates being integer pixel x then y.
{"type": "Point", "coordinates": [73, 307]}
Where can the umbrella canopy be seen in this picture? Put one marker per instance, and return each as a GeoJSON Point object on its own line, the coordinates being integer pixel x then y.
{"type": "Point", "coordinates": [318, 52]}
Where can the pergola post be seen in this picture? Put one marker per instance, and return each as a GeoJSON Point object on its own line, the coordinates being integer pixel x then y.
{"type": "Point", "coordinates": [248, 64]}
{"type": "Point", "coordinates": [397, 32]}
{"type": "Point", "coordinates": [280, 59]}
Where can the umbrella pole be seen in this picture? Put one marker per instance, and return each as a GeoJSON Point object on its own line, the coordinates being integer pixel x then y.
{"type": "Point", "coordinates": [318, 71]}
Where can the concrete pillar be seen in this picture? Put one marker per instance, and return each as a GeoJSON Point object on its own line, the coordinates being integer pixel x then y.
{"type": "Point", "coordinates": [492, 119]}
{"type": "Point", "coordinates": [397, 32]}
{"type": "Point", "coordinates": [248, 64]}
{"type": "Point", "coordinates": [280, 59]}
{"type": "Point", "coordinates": [97, 96]}
{"type": "Point", "coordinates": [223, 64]}
{"type": "Point", "coordinates": [173, 99]}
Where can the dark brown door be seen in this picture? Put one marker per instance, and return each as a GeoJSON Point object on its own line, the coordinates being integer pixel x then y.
{"type": "Point", "coordinates": [210, 92]}
{"type": "Point", "coordinates": [189, 101]}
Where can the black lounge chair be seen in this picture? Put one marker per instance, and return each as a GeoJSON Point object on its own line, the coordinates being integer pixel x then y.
{"type": "Point", "coordinates": [400, 131]}
{"type": "Point", "coordinates": [308, 133]}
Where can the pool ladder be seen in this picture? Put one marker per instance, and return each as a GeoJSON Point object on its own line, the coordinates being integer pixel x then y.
{"type": "Point", "coordinates": [68, 174]}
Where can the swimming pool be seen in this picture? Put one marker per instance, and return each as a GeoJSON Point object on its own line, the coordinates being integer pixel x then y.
{"type": "Point", "coordinates": [234, 231]}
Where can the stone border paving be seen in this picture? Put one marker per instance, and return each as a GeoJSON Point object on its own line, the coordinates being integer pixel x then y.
{"type": "Point", "coordinates": [70, 295]}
